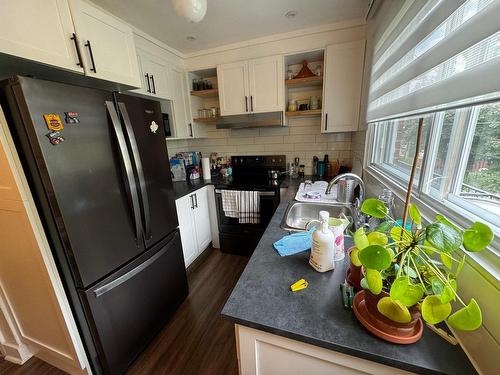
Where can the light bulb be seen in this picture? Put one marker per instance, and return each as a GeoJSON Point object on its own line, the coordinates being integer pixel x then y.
{"type": "Point", "coordinates": [192, 10]}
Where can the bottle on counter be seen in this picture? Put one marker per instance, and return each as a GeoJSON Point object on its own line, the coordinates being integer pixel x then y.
{"type": "Point", "coordinates": [328, 166]}
{"type": "Point", "coordinates": [323, 241]}
{"type": "Point", "coordinates": [315, 165]}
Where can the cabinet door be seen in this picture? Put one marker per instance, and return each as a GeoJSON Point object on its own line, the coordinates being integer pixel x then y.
{"type": "Point", "coordinates": [202, 219]}
{"type": "Point", "coordinates": [185, 209]}
{"type": "Point", "coordinates": [178, 88]}
{"type": "Point", "coordinates": [39, 30]}
{"type": "Point", "coordinates": [157, 72]}
{"type": "Point", "coordinates": [107, 45]}
{"type": "Point", "coordinates": [342, 86]}
{"type": "Point", "coordinates": [266, 81]}
{"type": "Point", "coordinates": [234, 95]}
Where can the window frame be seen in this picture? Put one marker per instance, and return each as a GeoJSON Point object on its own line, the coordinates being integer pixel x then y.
{"type": "Point", "coordinates": [457, 209]}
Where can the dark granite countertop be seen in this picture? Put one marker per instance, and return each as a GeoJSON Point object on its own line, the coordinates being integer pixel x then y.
{"type": "Point", "coordinates": [262, 300]}
{"type": "Point", "coordinates": [182, 188]}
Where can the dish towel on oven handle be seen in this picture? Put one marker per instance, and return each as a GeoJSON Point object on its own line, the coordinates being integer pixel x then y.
{"type": "Point", "coordinates": [249, 207]}
{"type": "Point", "coordinates": [230, 203]}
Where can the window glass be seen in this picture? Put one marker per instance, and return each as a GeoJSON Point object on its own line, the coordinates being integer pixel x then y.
{"type": "Point", "coordinates": [397, 153]}
{"type": "Point", "coordinates": [481, 179]}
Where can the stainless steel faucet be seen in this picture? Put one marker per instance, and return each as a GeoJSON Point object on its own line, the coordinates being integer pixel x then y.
{"type": "Point", "coordinates": [360, 219]}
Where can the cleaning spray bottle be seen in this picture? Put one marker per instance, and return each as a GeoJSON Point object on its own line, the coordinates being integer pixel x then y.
{"type": "Point", "coordinates": [322, 250]}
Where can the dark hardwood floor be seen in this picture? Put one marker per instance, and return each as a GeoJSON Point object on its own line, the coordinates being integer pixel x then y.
{"type": "Point", "coordinates": [196, 340]}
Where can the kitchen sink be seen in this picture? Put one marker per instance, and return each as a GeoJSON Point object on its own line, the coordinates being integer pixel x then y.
{"type": "Point", "coordinates": [298, 214]}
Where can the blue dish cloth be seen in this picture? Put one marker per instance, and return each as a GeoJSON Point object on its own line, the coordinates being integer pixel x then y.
{"type": "Point", "coordinates": [294, 243]}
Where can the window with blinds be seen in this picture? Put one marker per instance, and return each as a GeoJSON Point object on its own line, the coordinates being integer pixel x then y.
{"type": "Point", "coordinates": [447, 55]}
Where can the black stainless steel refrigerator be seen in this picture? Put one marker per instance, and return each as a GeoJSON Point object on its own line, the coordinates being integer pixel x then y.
{"type": "Point", "coordinates": [98, 168]}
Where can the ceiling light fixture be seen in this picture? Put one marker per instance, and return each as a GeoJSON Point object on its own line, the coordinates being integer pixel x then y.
{"type": "Point", "coordinates": [192, 10]}
{"type": "Point", "coordinates": [291, 14]}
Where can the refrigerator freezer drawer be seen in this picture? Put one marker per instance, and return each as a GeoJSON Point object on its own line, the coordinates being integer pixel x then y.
{"type": "Point", "coordinates": [129, 308]}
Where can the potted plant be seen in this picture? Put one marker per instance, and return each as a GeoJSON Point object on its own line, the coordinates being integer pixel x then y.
{"type": "Point", "coordinates": [411, 268]}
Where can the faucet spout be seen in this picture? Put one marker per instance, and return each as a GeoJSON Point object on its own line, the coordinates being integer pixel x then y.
{"type": "Point", "coordinates": [348, 176]}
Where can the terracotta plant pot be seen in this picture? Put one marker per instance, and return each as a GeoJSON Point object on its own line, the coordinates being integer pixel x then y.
{"type": "Point", "coordinates": [385, 324]}
{"type": "Point", "coordinates": [354, 273]}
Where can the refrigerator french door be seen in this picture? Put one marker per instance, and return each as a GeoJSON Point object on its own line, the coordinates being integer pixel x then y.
{"type": "Point", "coordinates": [99, 171]}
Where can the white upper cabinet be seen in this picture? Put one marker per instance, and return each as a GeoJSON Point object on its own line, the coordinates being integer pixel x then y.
{"type": "Point", "coordinates": [251, 86]}
{"type": "Point", "coordinates": [154, 74]}
{"type": "Point", "coordinates": [232, 80]}
{"type": "Point", "coordinates": [342, 86]}
{"type": "Point", "coordinates": [266, 81]}
{"type": "Point", "coordinates": [106, 44]}
{"type": "Point", "coordinates": [182, 121]}
{"type": "Point", "coordinates": [39, 30]}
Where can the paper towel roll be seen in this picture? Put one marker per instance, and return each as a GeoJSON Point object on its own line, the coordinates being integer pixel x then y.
{"type": "Point", "coordinates": [205, 165]}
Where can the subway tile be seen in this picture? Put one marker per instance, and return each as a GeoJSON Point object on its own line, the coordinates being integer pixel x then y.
{"type": "Point", "coordinates": [311, 129]}
{"type": "Point", "coordinates": [244, 132]}
{"type": "Point", "coordinates": [309, 146]}
{"type": "Point", "coordinates": [309, 138]}
{"type": "Point", "coordinates": [269, 140]}
{"type": "Point", "coordinates": [241, 141]}
{"type": "Point", "coordinates": [284, 130]}
{"type": "Point", "coordinates": [250, 148]}
{"type": "Point", "coordinates": [279, 147]}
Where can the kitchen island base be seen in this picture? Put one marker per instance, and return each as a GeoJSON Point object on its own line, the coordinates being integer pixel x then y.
{"type": "Point", "coordinates": [263, 353]}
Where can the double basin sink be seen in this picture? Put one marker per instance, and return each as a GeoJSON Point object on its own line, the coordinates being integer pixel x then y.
{"type": "Point", "coordinates": [299, 214]}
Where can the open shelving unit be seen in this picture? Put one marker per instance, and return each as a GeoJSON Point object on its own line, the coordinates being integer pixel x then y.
{"type": "Point", "coordinates": [302, 89]}
{"type": "Point", "coordinates": [204, 99]}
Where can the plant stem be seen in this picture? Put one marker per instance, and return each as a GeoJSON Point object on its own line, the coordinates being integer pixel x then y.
{"type": "Point", "coordinates": [418, 273]}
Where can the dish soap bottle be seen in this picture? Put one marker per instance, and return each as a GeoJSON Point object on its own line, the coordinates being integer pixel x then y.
{"type": "Point", "coordinates": [322, 250]}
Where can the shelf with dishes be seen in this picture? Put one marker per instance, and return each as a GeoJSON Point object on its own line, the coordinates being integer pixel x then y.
{"type": "Point", "coordinates": [304, 84]}
{"type": "Point", "coordinates": [304, 113]}
{"type": "Point", "coordinates": [206, 120]}
{"type": "Point", "coordinates": [204, 99]}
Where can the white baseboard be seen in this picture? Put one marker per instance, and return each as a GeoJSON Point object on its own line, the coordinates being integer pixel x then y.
{"type": "Point", "coordinates": [17, 354]}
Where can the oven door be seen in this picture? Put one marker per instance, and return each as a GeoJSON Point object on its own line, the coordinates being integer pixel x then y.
{"type": "Point", "coordinates": [239, 238]}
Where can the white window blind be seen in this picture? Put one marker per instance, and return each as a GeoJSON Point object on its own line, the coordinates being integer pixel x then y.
{"type": "Point", "coordinates": [445, 56]}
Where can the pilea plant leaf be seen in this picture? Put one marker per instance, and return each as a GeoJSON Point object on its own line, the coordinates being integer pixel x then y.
{"type": "Point", "coordinates": [394, 310]}
{"type": "Point", "coordinates": [355, 257]}
{"type": "Point", "coordinates": [406, 292]}
{"type": "Point", "coordinates": [377, 238]}
{"type": "Point", "coordinates": [363, 283]}
{"type": "Point", "coordinates": [477, 237]}
{"type": "Point", "coordinates": [444, 220]}
{"type": "Point", "coordinates": [415, 214]}
{"type": "Point", "coordinates": [443, 237]}
{"type": "Point", "coordinates": [446, 259]}
{"type": "Point", "coordinates": [460, 265]}
{"type": "Point", "coordinates": [410, 272]}
{"type": "Point", "coordinates": [436, 285]}
{"type": "Point", "coordinates": [396, 231]}
{"type": "Point", "coordinates": [468, 318]}
{"type": "Point", "coordinates": [375, 257]}
{"type": "Point", "coordinates": [374, 281]}
{"type": "Point", "coordinates": [434, 311]}
{"type": "Point", "coordinates": [360, 239]}
{"type": "Point", "coordinates": [384, 226]}
{"type": "Point", "coordinates": [449, 292]}
{"type": "Point", "coordinates": [374, 207]}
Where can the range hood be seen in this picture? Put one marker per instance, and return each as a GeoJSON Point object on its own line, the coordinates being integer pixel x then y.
{"type": "Point", "coordinates": [251, 120]}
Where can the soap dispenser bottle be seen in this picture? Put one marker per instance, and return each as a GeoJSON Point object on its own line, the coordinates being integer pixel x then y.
{"type": "Point", "coordinates": [322, 250]}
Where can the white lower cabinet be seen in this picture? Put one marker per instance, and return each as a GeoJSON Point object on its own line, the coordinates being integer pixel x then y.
{"type": "Point", "coordinates": [194, 223]}
{"type": "Point", "coordinates": [263, 353]}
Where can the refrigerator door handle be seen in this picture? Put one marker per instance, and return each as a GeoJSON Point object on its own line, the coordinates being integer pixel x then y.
{"type": "Point", "coordinates": [138, 167]}
{"type": "Point", "coordinates": [128, 168]}
{"type": "Point", "coordinates": [120, 280]}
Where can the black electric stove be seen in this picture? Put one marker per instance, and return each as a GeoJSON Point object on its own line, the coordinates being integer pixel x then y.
{"type": "Point", "coordinates": [250, 173]}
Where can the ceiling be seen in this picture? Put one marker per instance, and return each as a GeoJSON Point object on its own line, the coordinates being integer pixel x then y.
{"type": "Point", "coordinates": [231, 21]}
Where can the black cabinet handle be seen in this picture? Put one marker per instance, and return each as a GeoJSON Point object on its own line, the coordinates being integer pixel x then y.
{"type": "Point", "coordinates": [195, 200]}
{"type": "Point", "coordinates": [192, 201]}
{"type": "Point", "coordinates": [89, 46]}
{"type": "Point", "coordinates": [190, 129]}
{"type": "Point", "coordinates": [153, 84]}
{"type": "Point", "coordinates": [246, 103]}
{"type": "Point", "coordinates": [147, 80]}
{"type": "Point", "coordinates": [251, 103]}
{"type": "Point", "coordinates": [326, 121]}
{"type": "Point", "coordinates": [78, 54]}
